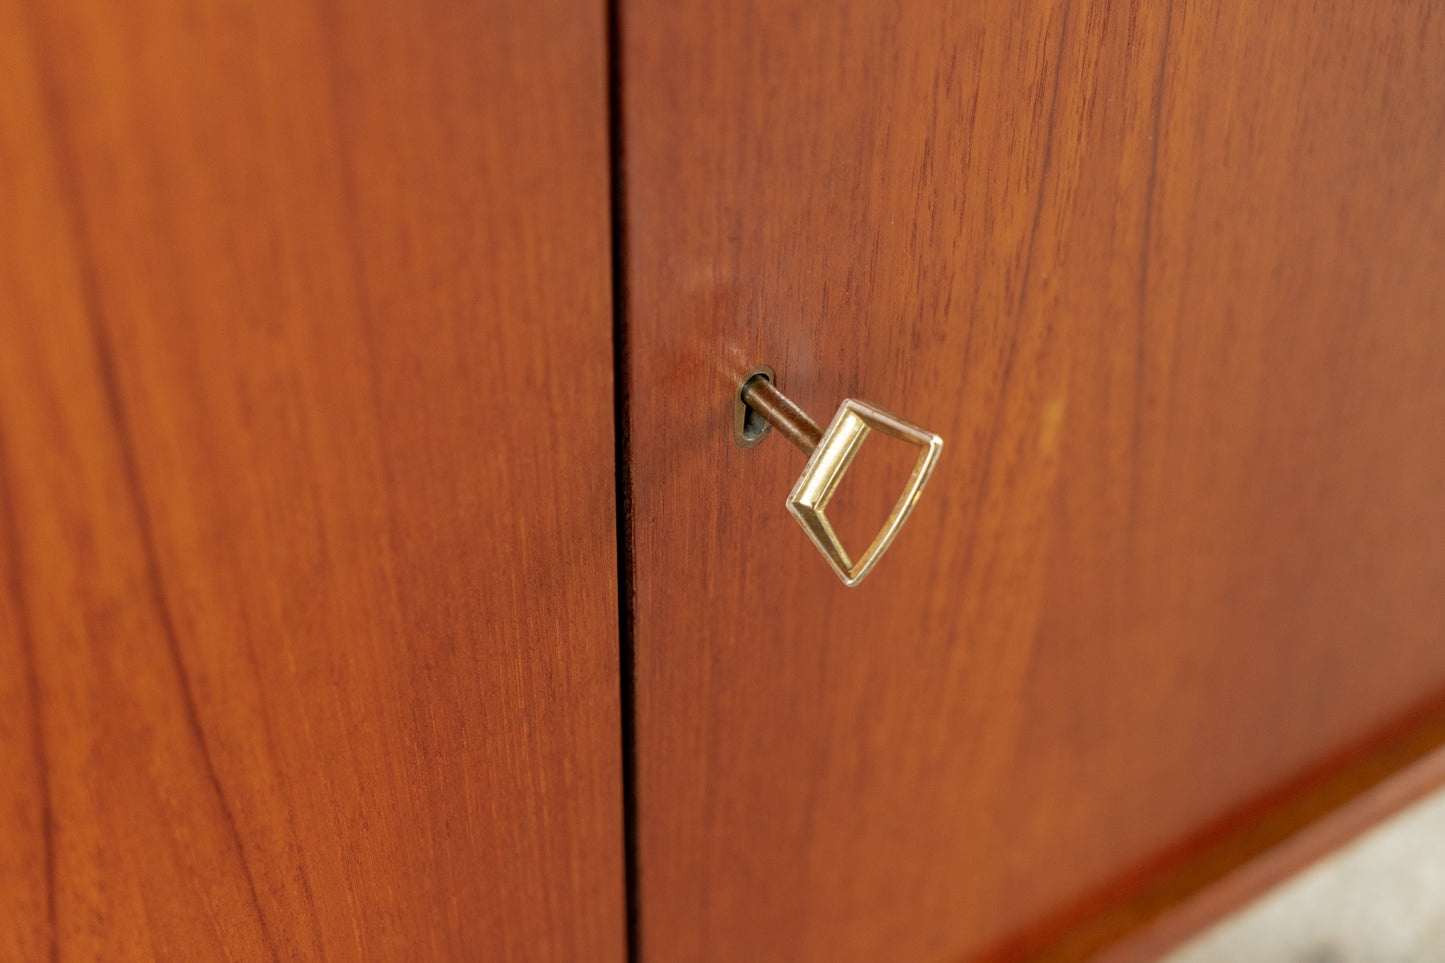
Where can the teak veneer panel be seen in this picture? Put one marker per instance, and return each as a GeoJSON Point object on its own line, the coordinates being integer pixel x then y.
{"type": "Point", "coordinates": [1169, 279]}
{"type": "Point", "coordinates": [308, 628]}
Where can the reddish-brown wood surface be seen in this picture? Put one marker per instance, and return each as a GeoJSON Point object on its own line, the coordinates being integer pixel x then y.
{"type": "Point", "coordinates": [1401, 774]}
{"type": "Point", "coordinates": [307, 558]}
{"type": "Point", "coordinates": [1168, 278]}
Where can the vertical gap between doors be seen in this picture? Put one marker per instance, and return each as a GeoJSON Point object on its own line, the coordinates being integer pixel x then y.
{"type": "Point", "coordinates": [622, 458]}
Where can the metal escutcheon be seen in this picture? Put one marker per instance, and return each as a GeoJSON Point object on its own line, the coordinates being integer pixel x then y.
{"type": "Point", "coordinates": [829, 454]}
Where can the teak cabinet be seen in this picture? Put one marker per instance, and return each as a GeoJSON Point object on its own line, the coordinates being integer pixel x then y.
{"type": "Point", "coordinates": [379, 578]}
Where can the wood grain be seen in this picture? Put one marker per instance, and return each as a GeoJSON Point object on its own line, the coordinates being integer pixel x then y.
{"type": "Point", "coordinates": [308, 643]}
{"type": "Point", "coordinates": [1403, 773]}
{"type": "Point", "coordinates": [1167, 277]}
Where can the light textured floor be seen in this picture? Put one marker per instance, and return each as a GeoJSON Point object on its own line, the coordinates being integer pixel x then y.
{"type": "Point", "coordinates": [1379, 900]}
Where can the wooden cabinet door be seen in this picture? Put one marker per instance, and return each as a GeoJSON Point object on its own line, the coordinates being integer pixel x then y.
{"type": "Point", "coordinates": [1168, 278]}
{"type": "Point", "coordinates": [308, 638]}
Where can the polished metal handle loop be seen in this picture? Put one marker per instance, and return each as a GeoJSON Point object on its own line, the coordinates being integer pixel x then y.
{"type": "Point", "coordinates": [830, 452]}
